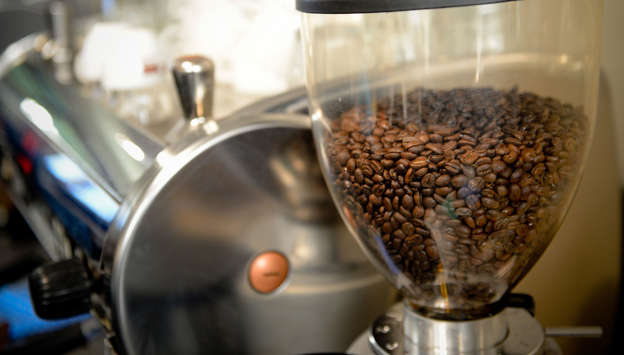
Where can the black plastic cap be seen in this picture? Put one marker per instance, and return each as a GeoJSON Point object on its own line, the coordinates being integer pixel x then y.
{"type": "Point", "coordinates": [365, 6]}
{"type": "Point", "coordinates": [60, 290]}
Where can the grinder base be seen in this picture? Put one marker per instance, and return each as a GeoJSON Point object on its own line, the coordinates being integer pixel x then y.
{"type": "Point", "coordinates": [386, 335]}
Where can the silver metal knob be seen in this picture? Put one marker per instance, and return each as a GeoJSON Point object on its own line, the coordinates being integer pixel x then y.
{"type": "Point", "coordinates": [194, 79]}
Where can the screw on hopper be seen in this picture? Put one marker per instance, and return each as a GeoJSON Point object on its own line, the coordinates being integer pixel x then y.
{"type": "Point", "coordinates": [453, 153]}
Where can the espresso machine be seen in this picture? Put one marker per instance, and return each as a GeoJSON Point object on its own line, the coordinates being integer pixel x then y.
{"type": "Point", "coordinates": [452, 135]}
{"type": "Point", "coordinates": [201, 235]}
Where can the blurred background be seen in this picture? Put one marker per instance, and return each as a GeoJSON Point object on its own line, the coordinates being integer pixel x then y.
{"type": "Point", "coordinates": [256, 49]}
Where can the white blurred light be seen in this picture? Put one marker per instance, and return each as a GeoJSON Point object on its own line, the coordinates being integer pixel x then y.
{"type": "Point", "coordinates": [38, 115]}
{"type": "Point", "coordinates": [211, 127]}
{"type": "Point", "coordinates": [564, 59]}
{"type": "Point", "coordinates": [133, 150]}
{"type": "Point", "coordinates": [164, 158]}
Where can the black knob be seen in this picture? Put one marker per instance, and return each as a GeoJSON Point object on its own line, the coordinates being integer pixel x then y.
{"type": "Point", "coordinates": [521, 300]}
{"type": "Point", "coordinates": [60, 290]}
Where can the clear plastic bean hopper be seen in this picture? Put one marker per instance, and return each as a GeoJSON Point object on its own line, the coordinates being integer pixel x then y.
{"type": "Point", "coordinates": [453, 135]}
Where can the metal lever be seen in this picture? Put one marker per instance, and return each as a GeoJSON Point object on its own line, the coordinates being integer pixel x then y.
{"type": "Point", "coordinates": [574, 332]}
{"type": "Point", "coordinates": [194, 79]}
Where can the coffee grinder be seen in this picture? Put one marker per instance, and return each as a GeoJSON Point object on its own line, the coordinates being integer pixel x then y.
{"type": "Point", "coordinates": [453, 135]}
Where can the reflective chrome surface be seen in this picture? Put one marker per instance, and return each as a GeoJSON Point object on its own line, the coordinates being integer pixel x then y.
{"type": "Point", "coordinates": [423, 335]}
{"type": "Point", "coordinates": [194, 79]}
{"type": "Point", "coordinates": [401, 331]}
{"type": "Point", "coordinates": [109, 149]}
{"type": "Point", "coordinates": [208, 207]}
{"type": "Point", "coordinates": [65, 151]}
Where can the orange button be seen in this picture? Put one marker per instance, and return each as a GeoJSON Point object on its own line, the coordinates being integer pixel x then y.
{"type": "Point", "coordinates": [268, 271]}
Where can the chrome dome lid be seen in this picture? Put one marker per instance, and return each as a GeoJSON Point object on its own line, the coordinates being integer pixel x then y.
{"type": "Point", "coordinates": [182, 244]}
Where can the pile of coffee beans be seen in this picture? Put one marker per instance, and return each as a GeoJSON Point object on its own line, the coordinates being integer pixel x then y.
{"type": "Point", "coordinates": [459, 183]}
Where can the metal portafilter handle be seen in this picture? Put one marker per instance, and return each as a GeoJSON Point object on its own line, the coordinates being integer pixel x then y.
{"type": "Point", "coordinates": [194, 79]}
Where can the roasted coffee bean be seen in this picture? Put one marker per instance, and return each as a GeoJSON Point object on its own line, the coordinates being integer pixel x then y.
{"type": "Point", "coordinates": [467, 180]}
{"type": "Point", "coordinates": [435, 138]}
{"type": "Point", "coordinates": [459, 181]}
{"type": "Point", "coordinates": [399, 217]}
{"type": "Point", "coordinates": [440, 199]}
{"type": "Point", "coordinates": [462, 212]}
{"type": "Point", "coordinates": [418, 212]}
{"type": "Point", "coordinates": [538, 170]}
{"type": "Point", "coordinates": [432, 251]}
{"type": "Point", "coordinates": [408, 202]}
{"type": "Point", "coordinates": [450, 145]}
{"type": "Point", "coordinates": [427, 191]}
{"type": "Point", "coordinates": [436, 158]}
{"type": "Point", "coordinates": [387, 163]}
{"type": "Point", "coordinates": [488, 193]}
{"type": "Point", "coordinates": [507, 211]}
{"type": "Point", "coordinates": [469, 157]}
{"type": "Point", "coordinates": [351, 165]}
{"type": "Point", "coordinates": [421, 172]}
{"type": "Point", "coordinates": [483, 161]}
{"type": "Point", "coordinates": [489, 202]}
{"type": "Point", "coordinates": [342, 157]}
{"type": "Point", "coordinates": [408, 228]}
{"type": "Point", "coordinates": [470, 222]}
{"type": "Point", "coordinates": [392, 155]}
{"type": "Point", "coordinates": [408, 175]}
{"type": "Point", "coordinates": [419, 163]}
{"type": "Point", "coordinates": [429, 202]}
{"type": "Point", "coordinates": [490, 178]}
{"type": "Point", "coordinates": [462, 232]}
{"type": "Point", "coordinates": [478, 237]}
{"type": "Point", "coordinates": [529, 155]}
{"type": "Point", "coordinates": [472, 201]}
{"type": "Point", "coordinates": [434, 147]}
{"type": "Point", "coordinates": [428, 180]}
{"type": "Point", "coordinates": [387, 204]}
{"type": "Point", "coordinates": [484, 169]}
{"type": "Point", "coordinates": [395, 203]}
{"type": "Point", "coordinates": [481, 220]}
{"type": "Point", "coordinates": [443, 180]}
{"type": "Point", "coordinates": [510, 157]}
{"type": "Point", "coordinates": [406, 213]}
{"type": "Point", "coordinates": [453, 167]}
{"type": "Point", "coordinates": [441, 210]}
{"type": "Point", "coordinates": [443, 191]}
{"type": "Point", "coordinates": [408, 155]}
{"type": "Point", "coordinates": [422, 138]}
{"type": "Point", "coordinates": [515, 192]}
{"type": "Point", "coordinates": [498, 166]}
{"type": "Point", "coordinates": [455, 203]}
{"type": "Point", "coordinates": [469, 171]}
{"type": "Point", "coordinates": [463, 192]}
{"type": "Point", "coordinates": [476, 184]}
